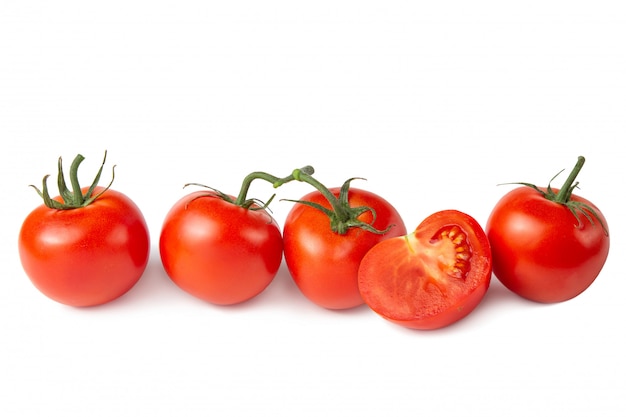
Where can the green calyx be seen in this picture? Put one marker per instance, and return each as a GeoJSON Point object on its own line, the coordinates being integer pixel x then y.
{"type": "Point", "coordinates": [341, 215]}
{"type": "Point", "coordinates": [74, 198]}
{"type": "Point", "coordinates": [563, 196]}
{"type": "Point", "coordinates": [242, 199]}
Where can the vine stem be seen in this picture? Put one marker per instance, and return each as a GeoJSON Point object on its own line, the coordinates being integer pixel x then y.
{"type": "Point", "coordinates": [276, 182]}
{"type": "Point", "coordinates": [342, 216]}
{"type": "Point", "coordinates": [339, 209]}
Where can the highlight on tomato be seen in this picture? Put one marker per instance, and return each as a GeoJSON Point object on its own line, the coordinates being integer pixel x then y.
{"type": "Point", "coordinates": [87, 246]}
{"type": "Point", "coordinates": [549, 245]}
{"type": "Point", "coordinates": [220, 248]}
{"type": "Point", "coordinates": [327, 233]}
{"type": "Point", "coordinates": [430, 278]}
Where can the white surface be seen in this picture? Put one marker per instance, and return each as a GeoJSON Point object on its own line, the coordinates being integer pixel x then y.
{"type": "Point", "coordinates": [433, 102]}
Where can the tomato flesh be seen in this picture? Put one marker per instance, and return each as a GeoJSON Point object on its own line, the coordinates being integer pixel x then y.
{"type": "Point", "coordinates": [430, 278]}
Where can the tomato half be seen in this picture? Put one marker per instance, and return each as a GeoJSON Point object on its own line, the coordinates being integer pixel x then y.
{"type": "Point", "coordinates": [85, 256]}
{"type": "Point", "coordinates": [218, 251]}
{"type": "Point", "coordinates": [432, 277]}
{"type": "Point", "coordinates": [324, 264]}
{"type": "Point", "coordinates": [541, 250]}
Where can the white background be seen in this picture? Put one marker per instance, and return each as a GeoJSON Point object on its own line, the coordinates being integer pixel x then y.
{"type": "Point", "coordinates": [435, 103]}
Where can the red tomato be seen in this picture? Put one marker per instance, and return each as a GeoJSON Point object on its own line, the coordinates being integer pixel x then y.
{"type": "Point", "coordinates": [323, 263]}
{"type": "Point", "coordinates": [432, 277]}
{"type": "Point", "coordinates": [541, 250]}
{"type": "Point", "coordinates": [218, 251]}
{"type": "Point", "coordinates": [85, 256]}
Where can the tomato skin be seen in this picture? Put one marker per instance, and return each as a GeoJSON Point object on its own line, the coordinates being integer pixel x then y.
{"type": "Point", "coordinates": [324, 264]}
{"type": "Point", "coordinates": [420, 281]}
{"type": "Point", "coordinates": [217, 251]}
{"type": "Point", "coordinates": [86, 256]}
{"type": "Point", "coordinates": [540, 251]}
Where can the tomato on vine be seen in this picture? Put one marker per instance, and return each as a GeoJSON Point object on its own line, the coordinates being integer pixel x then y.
{"type": "Point", "coordinates": [327, 233]}
{"type": "Point", "coordinates": [549, 245]}
{"type": "Point", "coordinates": [220, 248]}
{"type": "Point", "coordinates": [87, 246]}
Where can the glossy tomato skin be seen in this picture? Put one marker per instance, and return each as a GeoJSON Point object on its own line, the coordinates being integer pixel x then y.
{"type": "Point", "coordinates": [431, 278]}
{"type": "Point", "coordinates": [540, 250]}
{"type": "Point", "coordinates": [86, 256]}
{"type": "Point", "coordinates": [217, 251]}
{"type": "Point", "coordinates": [324, 264]}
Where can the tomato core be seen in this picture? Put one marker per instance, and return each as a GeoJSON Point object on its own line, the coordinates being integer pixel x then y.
{"type": "Point", "coordinates": [455, 252]}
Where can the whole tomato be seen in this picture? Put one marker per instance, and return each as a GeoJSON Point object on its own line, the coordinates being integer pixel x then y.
{"type": "Point", "coordinates": [548, 245]}
{"type": "Point", "coordinates": [222, 249]}
{"type": "Point", "coordinates": [431, 278]}
{"type": "Point", "coordinates": [327, 233]}
{"type": "Point", "coordinates": [86, 247]}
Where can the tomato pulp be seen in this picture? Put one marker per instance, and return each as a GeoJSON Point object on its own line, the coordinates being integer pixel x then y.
{"type": "Point", "coordinates": [430, 278]}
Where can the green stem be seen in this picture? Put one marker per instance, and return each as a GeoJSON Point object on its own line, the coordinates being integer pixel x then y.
{"type": "Point", "coordinates": [341, 212]}
{"type": "Point", "coordinates": [342, 216]}
{"type": "Point", "coordinates": [576, 207]}
{"type": "Point", "coordinates": [566, 190]}
{"type": "Point", "coordinates": [72, 199]}
{"type": "Point", "coordinates": [76, 189]}
{"type": "Point", "coordinates": [276, 182]}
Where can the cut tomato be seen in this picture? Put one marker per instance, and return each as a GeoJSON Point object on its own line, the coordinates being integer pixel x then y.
{"type": "Point", "coordinates": [430, 278]}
